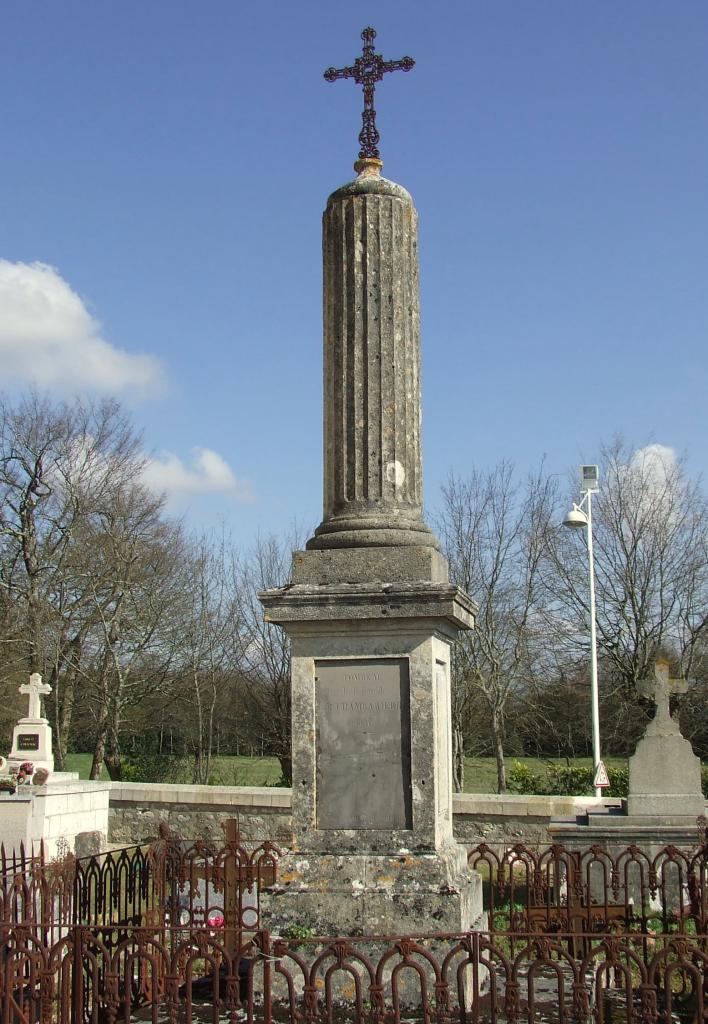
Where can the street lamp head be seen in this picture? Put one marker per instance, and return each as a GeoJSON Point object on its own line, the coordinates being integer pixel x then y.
{"type": "Point", "coordinates": [575, 518]}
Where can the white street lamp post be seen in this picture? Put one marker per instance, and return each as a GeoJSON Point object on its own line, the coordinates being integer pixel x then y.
{"type": "Point", "coordinates": [577, 518]}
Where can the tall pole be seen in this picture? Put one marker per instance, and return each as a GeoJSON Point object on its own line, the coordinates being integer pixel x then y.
{"type": "Point", "coordinates": [594, 693]}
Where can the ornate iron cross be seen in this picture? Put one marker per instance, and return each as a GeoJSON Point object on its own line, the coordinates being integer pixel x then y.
{"type": "Point", "coordinates": [367, 70]}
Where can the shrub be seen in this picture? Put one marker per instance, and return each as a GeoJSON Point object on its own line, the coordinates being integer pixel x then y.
{"type": "Point", "coordinates": [619, 781]}
{"type": "Point", "coordinates": [296, 933]}
{"type": "Point", "coordinates": [568, 780]}
{"type": "Point", "coordinates": [522, 779]}
{"type": "Point", "coordinates": [564, 780]}
{"type": "Point", "coordinates": [144, 767]}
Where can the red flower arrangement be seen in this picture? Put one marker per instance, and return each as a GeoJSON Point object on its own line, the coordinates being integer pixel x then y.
{"type": "Point", "coordinates": [24, 772]}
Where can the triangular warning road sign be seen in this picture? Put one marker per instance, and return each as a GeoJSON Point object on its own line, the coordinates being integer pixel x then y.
{"type": "Point", "coordinates": [602, 779]}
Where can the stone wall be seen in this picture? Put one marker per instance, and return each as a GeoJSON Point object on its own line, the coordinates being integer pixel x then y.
{"type": "Point", "coordinates": [509, 819]}
{"type": "Point", "coordinates": [137, 809]}
{"type": "Point", "coordinates": [15, 818]}
{"type": "Point", "coordinates": [62, 810]}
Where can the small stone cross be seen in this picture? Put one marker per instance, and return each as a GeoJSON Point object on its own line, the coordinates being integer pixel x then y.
{"type": "Point", "coordinates": [35, 688]}
{"type": "Point", "coordinates": [366, 71]}
{"type": "Point", "coordinates": [659, 689]}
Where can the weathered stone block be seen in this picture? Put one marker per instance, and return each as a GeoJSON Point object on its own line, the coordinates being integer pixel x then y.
{"type": "Point", "coordinates": [362, 894]}
{"type": "Point", "coordinates": [366, 565]}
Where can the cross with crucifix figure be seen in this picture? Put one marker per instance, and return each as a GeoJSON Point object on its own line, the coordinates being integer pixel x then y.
{"type": "Point", "coordinates": [35, 688]}
{"type": "Point", "coordinates": [367, 70]}
{"type": "Point", "coordinates": [659, 690]}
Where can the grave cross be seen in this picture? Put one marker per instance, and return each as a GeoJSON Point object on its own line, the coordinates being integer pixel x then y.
{"type": "Point", "coordinates": [367, 70]}
{"type": "Point", "coordinates": [35, 688]}
{"type": "Point", "coordinates": [659, 689]}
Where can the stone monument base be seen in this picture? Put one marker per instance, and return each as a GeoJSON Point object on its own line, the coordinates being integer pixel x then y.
{"type": "Point", "coordinates": [31, 741]}
{"type": "Point", "coordinates": [615, 830]}
{"type": "Point", "coordinates": [374, 900]}
{"type": "Point", "coordinates": [665, 778]}
{"type": "Point", "coordinates": [372, 894]}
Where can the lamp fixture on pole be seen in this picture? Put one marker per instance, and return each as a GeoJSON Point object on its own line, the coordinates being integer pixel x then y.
{"type": "Point", "coordinates": [581, 518]}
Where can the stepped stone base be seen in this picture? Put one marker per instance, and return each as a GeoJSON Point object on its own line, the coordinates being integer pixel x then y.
{"type": "Point", "coordinates": [615, 830]}
{"type": "Point", "coordinates": [371, 894]}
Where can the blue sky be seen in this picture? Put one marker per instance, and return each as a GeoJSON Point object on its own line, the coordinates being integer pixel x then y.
{"type": "Point", "coordinates": [169, 160]}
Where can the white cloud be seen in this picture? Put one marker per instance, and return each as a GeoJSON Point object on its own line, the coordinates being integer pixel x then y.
{"type": "Point", "coordinates": [208, 473]}
{"type": "Point", "coordinates": [48, 338]}
{"type": "Point", "coordinates": [657, 464]}
{"type": "Point", "coordinates": [651, 483]}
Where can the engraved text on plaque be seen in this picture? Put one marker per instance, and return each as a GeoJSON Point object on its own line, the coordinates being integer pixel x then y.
{"type": "Point", "coordinates": [28, 741]}
{"type": "Point", "coordinates": [363, 744]}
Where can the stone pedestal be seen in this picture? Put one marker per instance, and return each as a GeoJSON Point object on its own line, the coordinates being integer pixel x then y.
{"type": "Point", "coordinates": [32, 741]}
{"type": "Point", "coordinates": [614, 830]}
{"type": "Point", "coordinates": [372, 894]}
{"type": "Point", "coordinates": [65, 812]}
{"type": "Point", "coordinates": [372, 796]}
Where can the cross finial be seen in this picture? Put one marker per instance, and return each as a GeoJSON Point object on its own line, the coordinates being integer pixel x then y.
{"type": "Point", "coordinates": [659, 690]}
{"type": "Point", "coordinates": [367, 70]}
{"type": "Point", "coordinates": [35, 688]}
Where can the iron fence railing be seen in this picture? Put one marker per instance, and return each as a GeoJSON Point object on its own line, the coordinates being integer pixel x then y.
{"type": "Point", "coordinates": [590, 890]}
{"type": "Point", "coordinates": [171, 930]}
{"type": "Point", "coordinates": [168, 881]}
{"type": "Point", "coordinates": [198, 975]}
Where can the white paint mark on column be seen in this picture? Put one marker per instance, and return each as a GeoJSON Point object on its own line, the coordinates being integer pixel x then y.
{"type": "Point", "coordinates": [395, 473]}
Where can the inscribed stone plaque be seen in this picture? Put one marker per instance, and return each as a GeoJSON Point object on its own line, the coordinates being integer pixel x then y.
{"type": "Point", "coordinates": [28, 741]}
{"type": "Point", "coordinates": [363, 744]}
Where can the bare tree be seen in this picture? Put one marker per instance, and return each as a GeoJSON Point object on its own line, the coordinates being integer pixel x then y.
{"type": "Point", "coordinates": [262, 650]}
{"type": "Point", "coordinates": [650, 529]}
{"type": "Point", "coordinates": [204, 622]}
{"type": "Point", "coordinates": [493, 530]}
{"type": "Point", "coordinates": [134, 582]}
{"type": "Point", "coordinates": [57, 465]}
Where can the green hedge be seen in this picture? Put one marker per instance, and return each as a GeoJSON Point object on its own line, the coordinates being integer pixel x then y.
{"type": "Point", "coordinates": [144, 767]}
{"type": "Point", "coordinates": [569, 780]}
{"type": "Point", "coordinates": [563, 780]}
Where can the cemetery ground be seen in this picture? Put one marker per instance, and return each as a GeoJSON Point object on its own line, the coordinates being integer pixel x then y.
{"type": "Point", "coordinates": [480, 772]}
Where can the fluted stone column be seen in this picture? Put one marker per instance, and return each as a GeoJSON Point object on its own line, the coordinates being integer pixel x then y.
{"type": "Point", "coordinates": [371, 614]}
{"type": "Point", "coordinates": [372, 457]}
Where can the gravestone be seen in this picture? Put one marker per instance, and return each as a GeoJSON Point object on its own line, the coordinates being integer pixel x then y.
{"type": "Point", "coordinates": [32, 736]}
{"type": "Point", "coordinates": [54, 809]}
{"type": "Point", "coordinates": [370, 611]}
{"type": "Point", "coordinates": [665, 805]}
{"type": "Point", "coordinates": [664, 773]}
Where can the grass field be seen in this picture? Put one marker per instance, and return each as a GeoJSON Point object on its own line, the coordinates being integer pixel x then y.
{"type": "Point", "coordinates": [480, 772]}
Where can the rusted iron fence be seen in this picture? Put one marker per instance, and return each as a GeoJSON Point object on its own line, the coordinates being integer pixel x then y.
{"type": "Point", "coordinates": [557, 889]}
{"type": "Point", "coordinates": [197, 976]}
{"type": "Point", "coordinates": [168, 882]}
{"type": "Point", "coordinates": [171, 931]}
